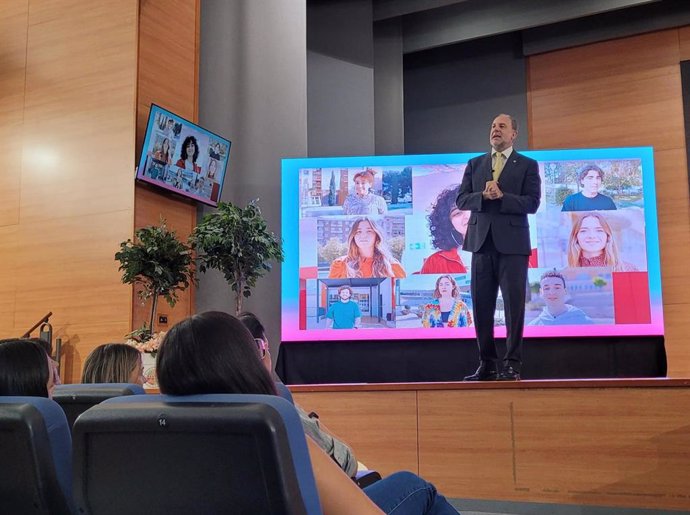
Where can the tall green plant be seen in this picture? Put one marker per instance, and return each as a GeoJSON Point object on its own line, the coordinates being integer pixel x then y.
{"type": "Point", "coordinates": [237, 242]}
{"type": "Point", "coordinates": [159, 262]}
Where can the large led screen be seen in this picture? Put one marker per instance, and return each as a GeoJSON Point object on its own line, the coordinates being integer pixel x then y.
{"type": "Point", "coordinates": [373, 248]}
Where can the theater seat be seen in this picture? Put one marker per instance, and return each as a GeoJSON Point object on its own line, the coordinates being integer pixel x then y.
{"type": "Point", "coordinates": [75, 399]}
{"type": "Point", "coordinates": [193, 454]}
{"type": "Point", "coordinates": [36, 457]}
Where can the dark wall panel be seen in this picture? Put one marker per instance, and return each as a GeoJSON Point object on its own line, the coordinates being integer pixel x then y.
{"type": "Point", "coordinates": [453, 93]}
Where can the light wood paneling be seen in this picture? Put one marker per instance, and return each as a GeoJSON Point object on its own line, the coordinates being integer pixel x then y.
{"type": "Point", "coordinates": [622, 447]}
{"type": "Point", "coordinates": [168, 74]}
{"type": "Point", "coordinates": [69, 84]}
{"type": "Point", "coordinates": [609, 443]}
{"type": "Point", "coordinates": [381, 427]}
{"type": "Point", "coordinates": [465, 443]}
{"type": "Point", "coordinates": [627, 92]}
{"type": "Point", "coordinates": [13, 22]}
{"type": "Point", "coordinates": [8, 282]}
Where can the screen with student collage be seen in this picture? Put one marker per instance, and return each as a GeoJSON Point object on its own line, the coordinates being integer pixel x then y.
{"type": "Point", "coordinates": [182, 157]}
{"type": "Point", "coordinates": [373, 248]}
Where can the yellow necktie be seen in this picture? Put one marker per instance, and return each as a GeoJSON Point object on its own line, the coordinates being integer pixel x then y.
{"type": "Point", "coordinates": [498, 165]}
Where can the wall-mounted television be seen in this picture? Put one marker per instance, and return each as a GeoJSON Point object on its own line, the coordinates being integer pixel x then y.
{"type": "Point", "coordinates": [179, 156]}
{"type": "Point", "coordinates": [386, 227]}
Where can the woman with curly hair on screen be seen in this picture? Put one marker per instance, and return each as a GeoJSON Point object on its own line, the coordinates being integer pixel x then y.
{"type": "Point", "coordinates": [368, 254]}
{"type": "Point", "coordinates": [448, 226]}
{"type": "Point", "coordinates": [591, 243]}
{"type": "Point", "coordinates": [189, 154]}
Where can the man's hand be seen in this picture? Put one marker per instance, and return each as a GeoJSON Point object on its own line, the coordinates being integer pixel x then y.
{"type": "Point", "coordinates": [492, 191]}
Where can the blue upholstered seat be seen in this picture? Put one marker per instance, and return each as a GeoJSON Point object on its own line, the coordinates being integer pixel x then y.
{"type": "Point", "coordinates": [284, 392]}
{"type": "Point", "coordinates": [193, 454]}
{"type": "Point", "coordinates": [75, 399]}
{"type": "Point", "coordinates": [36, 451]}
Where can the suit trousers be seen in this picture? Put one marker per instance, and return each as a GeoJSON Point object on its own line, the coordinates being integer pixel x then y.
{"type": "Point", "coordinates": [492, 270]}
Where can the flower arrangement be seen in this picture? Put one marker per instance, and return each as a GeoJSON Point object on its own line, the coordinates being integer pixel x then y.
{"type": "Point", "coordinates": [145, 341]}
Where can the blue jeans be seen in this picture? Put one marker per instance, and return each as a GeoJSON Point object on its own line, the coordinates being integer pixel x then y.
{"type": "Point", "coordinates": [405, 493]}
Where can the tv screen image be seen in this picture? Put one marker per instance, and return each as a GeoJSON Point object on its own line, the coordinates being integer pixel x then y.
{"type": "Point", "coordinates": [179, 156]}
{"type": "Point", "coordinates": [377, 248]}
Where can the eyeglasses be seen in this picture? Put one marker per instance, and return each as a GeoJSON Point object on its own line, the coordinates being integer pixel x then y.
{"type": "Point", "coordinates": [262, 346]}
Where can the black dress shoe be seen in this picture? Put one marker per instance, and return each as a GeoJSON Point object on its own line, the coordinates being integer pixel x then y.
{"type": "Point", "coordinates": [483, 373]}
{"type": "Point", "coordinates": [509, 374]}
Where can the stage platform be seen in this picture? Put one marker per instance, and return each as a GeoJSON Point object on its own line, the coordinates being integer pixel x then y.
{"type": "Point", "coordinates": [605, 442]}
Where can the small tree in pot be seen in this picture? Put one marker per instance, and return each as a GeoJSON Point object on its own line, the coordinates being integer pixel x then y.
{"type": "Point", "coordinates": [159, 262]}
{"type": "Point", "coordinates": [237, 242]}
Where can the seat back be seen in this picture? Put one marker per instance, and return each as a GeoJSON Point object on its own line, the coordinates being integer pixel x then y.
{"type": "Point", "coordinates": [75, 399]}
{"type": "Point", "coordinates": [36, 451]}
{"type": "Point", "coordinates": [193, 454]}
{"type": "Point", "coordinates": [284, 392]}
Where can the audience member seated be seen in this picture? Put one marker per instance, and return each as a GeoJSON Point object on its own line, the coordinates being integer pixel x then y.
{"type": "Point", "coordinates": [338, 450]}
{"type": "Point", "coordinates": [48, 347]}
{"type": "Point", "coordinates": [38, 475]}
{"type": "Point", "coordinates": [25, 369]}
{"type": "Point", "coordinates": [214, 352]}
{"type": "Point", "coordinates": [114, 363]}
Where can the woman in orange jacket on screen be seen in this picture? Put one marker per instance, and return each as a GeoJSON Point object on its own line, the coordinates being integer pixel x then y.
{"type": "Point", "coordinates": [368, 254]}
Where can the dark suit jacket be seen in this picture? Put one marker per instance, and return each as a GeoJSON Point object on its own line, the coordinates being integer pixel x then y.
{"type": "Point", "coordinates": [506, 218]}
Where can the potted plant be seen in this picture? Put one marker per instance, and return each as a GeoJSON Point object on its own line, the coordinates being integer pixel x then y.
{"type": "Point", "coordinates": [237, 242]}
{"type": "Point", "coordinates": [161, 264]}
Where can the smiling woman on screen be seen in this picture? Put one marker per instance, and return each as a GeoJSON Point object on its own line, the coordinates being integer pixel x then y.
{"type": "Point", "coordinates": [592, 244]}
{"type": "Point", "coordinates": [368, 254]}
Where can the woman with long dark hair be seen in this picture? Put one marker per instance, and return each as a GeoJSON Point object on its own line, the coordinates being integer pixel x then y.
{"type": "Point", "coordinates": [189, 154]}
{"type": "Point", "coordinates": [25, 369]}
{"type": "Point", "coordinates": [214, 352]}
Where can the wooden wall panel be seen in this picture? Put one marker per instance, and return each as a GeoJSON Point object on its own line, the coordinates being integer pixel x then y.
{"type": "Point", "coordinates": [70, 74]}
{"type": "Point", "coordinates": [609, 443]}
{"type": "Point", "coordinates": [13, 22]}
{"type": "Point", "coordinates": [684, 43]}
{"type": "Point", "coordinates": [168, 76]}
{"type": "Point", "coordinates": [622, 447]}
{"type": "Point", "coordinates": [381, 427]}
{"type": "Point", "coordinates": [627, 92]}
{"type": "Point", "coordinates": [465, 443]}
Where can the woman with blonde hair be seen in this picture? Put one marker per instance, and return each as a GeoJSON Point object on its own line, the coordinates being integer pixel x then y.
{"type": "Point", "coordinates": [591, 243]}
{"type": "Point", "coordinates": [114, 363]}
{"type": "Point", "coordinates": [367, 255]}
{"type": "Point", "coordinates": [447, 309]}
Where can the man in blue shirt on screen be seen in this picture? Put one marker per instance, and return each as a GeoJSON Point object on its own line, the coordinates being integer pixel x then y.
{"type": "Point", "coordinates": [345, 313]}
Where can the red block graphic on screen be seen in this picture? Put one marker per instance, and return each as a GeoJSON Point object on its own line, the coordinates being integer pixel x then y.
{"type": "Point", "coordinates": [631, 298]}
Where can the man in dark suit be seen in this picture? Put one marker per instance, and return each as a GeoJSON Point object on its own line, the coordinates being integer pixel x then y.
{"type": "Point", "coordinates": [500, 188]}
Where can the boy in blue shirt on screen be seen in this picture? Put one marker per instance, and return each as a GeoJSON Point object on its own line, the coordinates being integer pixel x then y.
{"type": "Point", "coordinates": [345, 313]}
